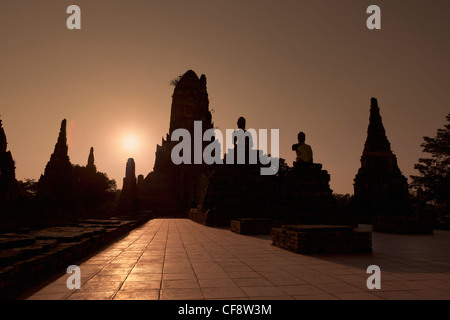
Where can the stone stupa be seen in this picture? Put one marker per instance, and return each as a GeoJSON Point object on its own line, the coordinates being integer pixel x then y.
{"type": "Point", "coordinates": [380, 188]}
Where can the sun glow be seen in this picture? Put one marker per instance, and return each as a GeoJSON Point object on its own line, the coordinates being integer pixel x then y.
{"type": "Point", "coordinates": [130, 143]}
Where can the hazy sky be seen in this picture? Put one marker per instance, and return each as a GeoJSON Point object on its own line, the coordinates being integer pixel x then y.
{"type": "Point", "coordinates": [295, 66]}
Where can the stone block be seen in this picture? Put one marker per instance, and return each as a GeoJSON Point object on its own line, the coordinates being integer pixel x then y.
{"type": "Point", "coordinates": [321, 239]}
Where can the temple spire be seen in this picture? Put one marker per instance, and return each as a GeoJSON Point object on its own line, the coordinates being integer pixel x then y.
{"type": "Point", "coordinates": [61, 148]}
{"type": "Point", "coordinates": [379, 185]}
{"type": "Point", "coordinates": [3, 141]}
{"type": "Point", "coordinates": [90, 164]}
{"type": "Point", "coordinates": [58, 176]}
{"type": "Point", "coordinates": [377, 140]}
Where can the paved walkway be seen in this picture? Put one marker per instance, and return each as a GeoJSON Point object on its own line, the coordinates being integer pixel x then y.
{"type": "Point", "coordinates": [171, 259]}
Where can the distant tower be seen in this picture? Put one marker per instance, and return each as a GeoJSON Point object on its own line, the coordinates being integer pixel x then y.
{"type": "Point", "coordinates": [59, 160]}
{"type": "Point", "coordinates": [8, 183]}
{"type": "Point", "coordinates": [130, 175]}
{"type": "Point", "coordinates": [3, 141]}
{"type": "Point", "coordinates": [90, 164]}
{"type": "Point", "coordinates": [57, 180]}
{"type": "Point", "coordinates": [128, 196]}
{"type": "Point", "coordinates": [379, 186]}
{"type": "Point", "coordinates": [140, 183]}
{"type": "Point", "coordinates": [60, 153]}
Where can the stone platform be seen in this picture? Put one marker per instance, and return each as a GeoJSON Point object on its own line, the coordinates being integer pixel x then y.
{"type": "Point", "coordinates": [178, 259]}
{"type": "Point", "coordinates": [402, 225]}
{"type": "Point", "coordinates": [28, 257]}
{"type": "Point", "coordinates": [321, 239]}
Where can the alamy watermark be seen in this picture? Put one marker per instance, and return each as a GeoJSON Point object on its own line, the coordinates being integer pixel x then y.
{"type": "Point", "coordinates": [74, 280]}
{"type": "Point", "coordinates": [374, 281]}
{"type": "Point", "coordinates": [74, 20]}
{"type": "Point", "coordinates": [239, 144]}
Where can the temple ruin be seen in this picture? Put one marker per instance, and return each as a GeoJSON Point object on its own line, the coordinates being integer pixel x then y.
{"type": "Point", "coordinates": [8, 183]}
{"type": "Point", "coordinates": [55, 186]}
{"type": "Point", "coordinates": [219, 192]}
{"type": "Point", "coordinates": [171, 189]}
{"type": "Point", "coordinates": [380, 187]}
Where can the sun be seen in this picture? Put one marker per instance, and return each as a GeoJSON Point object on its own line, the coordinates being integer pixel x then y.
{"type": "Point", "coordinates": [130, 143]}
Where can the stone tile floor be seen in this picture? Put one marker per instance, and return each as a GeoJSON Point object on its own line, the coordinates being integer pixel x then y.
{"type": "Point", "coordinates": [177, 259]}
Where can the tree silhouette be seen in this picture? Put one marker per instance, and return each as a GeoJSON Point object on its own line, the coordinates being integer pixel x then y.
{"type": "Point", "coordinates": [343, 200]}
{"type": "Point", "coordinates": [434, 178]}
{"type": "Point", "coordinates": [175, 81]}
{"type": "Point", "coordinates": [92, 189]}
{"type": "Point", "coordinates": [27, 188]}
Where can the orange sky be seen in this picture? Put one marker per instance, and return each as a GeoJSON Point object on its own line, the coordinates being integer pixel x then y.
{"type": "Point", "coordinates": [289, 65]}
